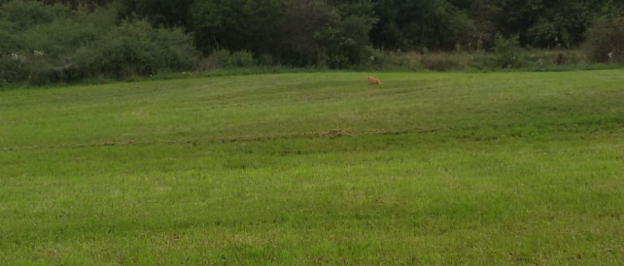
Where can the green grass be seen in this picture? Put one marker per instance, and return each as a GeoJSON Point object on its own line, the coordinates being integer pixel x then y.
{"type": "Point", "coordinates": [316, 169]}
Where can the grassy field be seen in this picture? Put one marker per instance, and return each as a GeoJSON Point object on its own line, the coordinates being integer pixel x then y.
{"type": "Point", "coordinates": [316, 169]}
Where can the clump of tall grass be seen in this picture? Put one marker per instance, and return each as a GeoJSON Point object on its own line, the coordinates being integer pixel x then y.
{"type": "Point", "coordinates": [224, 59]}
{"type": "Point", "coordinates": [505, 54]}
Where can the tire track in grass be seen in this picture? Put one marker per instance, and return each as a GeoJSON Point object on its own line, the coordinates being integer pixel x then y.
{"type": "Point", "coordinates": [334, 133]}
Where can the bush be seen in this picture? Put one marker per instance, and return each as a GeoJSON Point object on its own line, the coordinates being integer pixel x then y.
{"type": "Point", "coordinates": [377, 60]}
{"type": "Point", "coordinates": [346, 42]}
{"type": "Point", "coordinates": [382, 60]}
{"type": "Point", "coordinates": [216, 60]}
{"type": "Point", "coordinates": [10, 42]}
{"type": "Point", "coordinates": [176, 49]}
{"type": "Point", "coordinates": [219, 59]}
{"type": "Point", "coordinates": [23, 14]}
{"type": "Point", "coordinates": [54, 44]}
{"type": "Point", "coordinates": [440, 62]}
{"type": "Point", "coordinates": [507, 51]}
{"type": "Point", "coordinates": [265, 60]}
{"type": "Point", "coordinates": [241, 59]}
{"type": "Point", "coordinates": [11, 68]}
{"type": "Point", "coordinates": [135, 48]}
{"type": "Point", "coordinates": [605, 39]}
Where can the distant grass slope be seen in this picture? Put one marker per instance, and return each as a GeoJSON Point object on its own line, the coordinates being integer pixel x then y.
{"type": "Point", "coordinates": [316, 169]}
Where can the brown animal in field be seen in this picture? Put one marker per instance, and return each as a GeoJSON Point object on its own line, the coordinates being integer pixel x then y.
{"type": "Point", "coordinates": [373, 80]}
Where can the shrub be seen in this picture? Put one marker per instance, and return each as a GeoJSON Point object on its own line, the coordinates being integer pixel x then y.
{"type": "Point", "coordinates": [605, 39]}
{"type": "Point", "coordinates": [53, 43]}
{"type": "Point", "coordinates": [10, 42]}
{"type": "Point", "coordinates": [265, 60]}
{"type": "Point", "coordinates": [377, 60]}
{"type": "Point", "coordinates": [11, 68]}
{"type": "Point", "coordinates": [135, 48]}
{"type": "Point", "coordinates": [215, 60]}
{"type": "Point", "coordinates": [176, 49]}
{"type": "Point", "coordinates": [346, 42]}
{"type": "Point", "coordinates": [23, 14]}
{"type": "Point", "coordinates": [242, 58]}
{"type": "Point", "coordinates": [507, 51]}
{"type": "Point", "coordinates": [440, 61]}
{"type": "Point", "coordinates": [338, 61]}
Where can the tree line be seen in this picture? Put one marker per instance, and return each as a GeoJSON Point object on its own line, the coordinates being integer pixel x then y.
{"type": "Point", "coordinates": [303, 31]}
{"type": "Point", "coordinates": [299, 33]}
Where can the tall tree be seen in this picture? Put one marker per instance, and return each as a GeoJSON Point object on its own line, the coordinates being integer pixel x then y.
{"type": "Point", "coordinates": [546, 23]}
{"type": "Point", "coordinates": [407, 24]}
{"type": "Point", "coordinates": [77, 3]}
{"type": "Point", "coordinates": [346, 40]}
{"type": "Point", "coordinates": [160, 12]}
{"type": "Point", "coordinates": [303, 19]}
{"type": "Point", "coordinates": [237, 24]}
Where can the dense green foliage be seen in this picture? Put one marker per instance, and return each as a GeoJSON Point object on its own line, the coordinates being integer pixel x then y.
{"type": "Point", "coordinates": [605, 40]}
{"type": "Point", "coordinates": [396, 24]}
{"type": "Point", "coordinates": [65, 40]}
{"type": "Point", "coordinates": [46, 44]}
{"type": "Point", "coordinates": [316, 169]}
